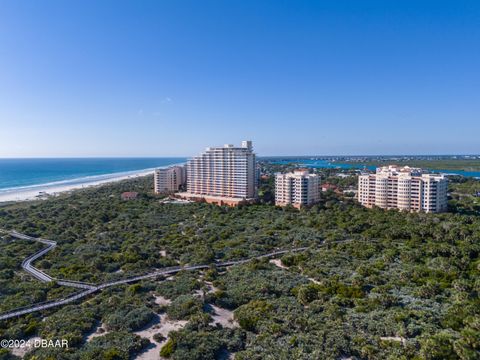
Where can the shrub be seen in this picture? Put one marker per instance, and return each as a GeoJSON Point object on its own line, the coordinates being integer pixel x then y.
{"type": "Point", "coordinates": [183, 307]}
{"type": "Point", "coordinates": [167, 349]}
{"type": "Point", "coordinates": [249, 315]}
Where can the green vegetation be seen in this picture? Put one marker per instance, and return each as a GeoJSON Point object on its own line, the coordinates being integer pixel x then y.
{"type": "Point", "coordinates": [168, 349]}
{"type": "Point", "coordinates": [130, 318]}
{"type": "Point", "coordinates": [404, 286]}
{"type": "Point", "coordinates": [17, 288]}
{"type": "Point", "coordinates": [269, 283]}
{"type": "Point", "coordinates": [183, 307]}
{"type": "Point", "coordinates": [113, 346]}
{"type": "Point", "coordinates": [465, 195]}
{"type": "Point", "coordinates": [199, 343]}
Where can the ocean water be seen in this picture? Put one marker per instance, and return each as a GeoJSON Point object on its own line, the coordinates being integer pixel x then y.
{"type": "Point", "coordinates": [334, 165]}
{"type": "Point", "coordinates": [31, 173]}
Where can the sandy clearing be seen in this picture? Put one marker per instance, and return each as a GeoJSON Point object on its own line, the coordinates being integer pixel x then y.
{"type": "Point", "coordinates": [394, 338]}
{"type": "Point", "coordinates": [160, 324]}
{"type": "Point", "coordinates": [100, 330]}
{"type": "Point", "coordinates": [211, 287]}
{"type": "Point", "coordinates": [22, 351]}
{"type": "Point", "coordinates": [160, 300]}
{"type": "Point", "coordinates": [278, 262]}
{"type": "Point", "coordinates": [223, 317]}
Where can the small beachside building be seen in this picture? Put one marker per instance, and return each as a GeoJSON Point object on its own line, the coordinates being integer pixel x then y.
{"type": "Point", "coordinates": [129, 195]}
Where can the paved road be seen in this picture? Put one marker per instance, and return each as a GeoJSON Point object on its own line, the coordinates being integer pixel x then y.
{"type": "Point", "coordinates": [90, 288]}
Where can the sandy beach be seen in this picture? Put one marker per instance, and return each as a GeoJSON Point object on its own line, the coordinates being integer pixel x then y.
{"type": "Point", "coordinates": [48, 190]}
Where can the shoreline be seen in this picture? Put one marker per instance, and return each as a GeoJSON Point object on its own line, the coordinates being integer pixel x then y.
{"type": "Point", "coordinates": [46, 191]}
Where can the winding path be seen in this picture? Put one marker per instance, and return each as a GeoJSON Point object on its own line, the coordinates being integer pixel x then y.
{"type": "Point", "coordinates": [87, 289]}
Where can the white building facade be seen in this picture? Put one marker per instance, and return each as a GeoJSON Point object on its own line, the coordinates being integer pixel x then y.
{"type": "Point", "coordinates": [225, 175]}
{"type": "Point", "coordinates": [169, 179]}
{"type": "Point", "coordinates": [403, 188]}
{"type": "Point", "coordinates": [298, 188]}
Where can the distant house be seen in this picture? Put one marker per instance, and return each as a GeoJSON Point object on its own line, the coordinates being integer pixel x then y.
{"type": "Point", "coordinates": [129, 195]}
{"type": "Point", "coordinates": [327, 186]}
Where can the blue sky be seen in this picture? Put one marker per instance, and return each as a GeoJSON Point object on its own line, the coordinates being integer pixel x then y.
{"type": "Point", "coordinates": [165, 78]}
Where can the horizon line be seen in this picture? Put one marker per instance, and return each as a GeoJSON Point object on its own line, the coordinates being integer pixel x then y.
{"type": "Point", "coordinates": [259, 156]}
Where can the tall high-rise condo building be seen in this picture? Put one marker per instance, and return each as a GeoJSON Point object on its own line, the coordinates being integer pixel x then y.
{"type": "Point", "coordinates": [169, 179]}
{"type": "Point", "coordinates": [223, 175]}
{"type": "Point", "coordinates": [298, 188]}
{"type": "Point", "coordinates": [405, 188]}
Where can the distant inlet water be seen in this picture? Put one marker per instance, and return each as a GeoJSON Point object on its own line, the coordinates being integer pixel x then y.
{"type": "Point", "coordinates": [32, 173]}
{"type": "Point", "coordinates": [325, 164]}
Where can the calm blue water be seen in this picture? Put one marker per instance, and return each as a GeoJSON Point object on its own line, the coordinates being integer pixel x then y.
{"type": "Point", "coordinates": [29, 173]}
{"type": "Point", "coordinates": [26, 173]}
{"type": "Point", "coordinates": [334, 165]}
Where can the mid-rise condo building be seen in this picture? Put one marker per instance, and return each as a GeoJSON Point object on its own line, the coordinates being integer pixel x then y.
{"type": "Point", "coordinates": [298, 188]}
{"type": "Point", "coordinates": [223, 175]}
{"type": "Point", "coordinates": [403, 188]}
{"type": "Point", "coordinates": [169, 179]}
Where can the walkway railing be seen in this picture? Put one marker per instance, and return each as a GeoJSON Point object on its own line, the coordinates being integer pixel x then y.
{"type": "Point", "coordinates": [92, 288]}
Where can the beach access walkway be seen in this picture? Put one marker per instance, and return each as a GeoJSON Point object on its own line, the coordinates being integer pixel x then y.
{"type": "Point", "coordinates": [88, 289]}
